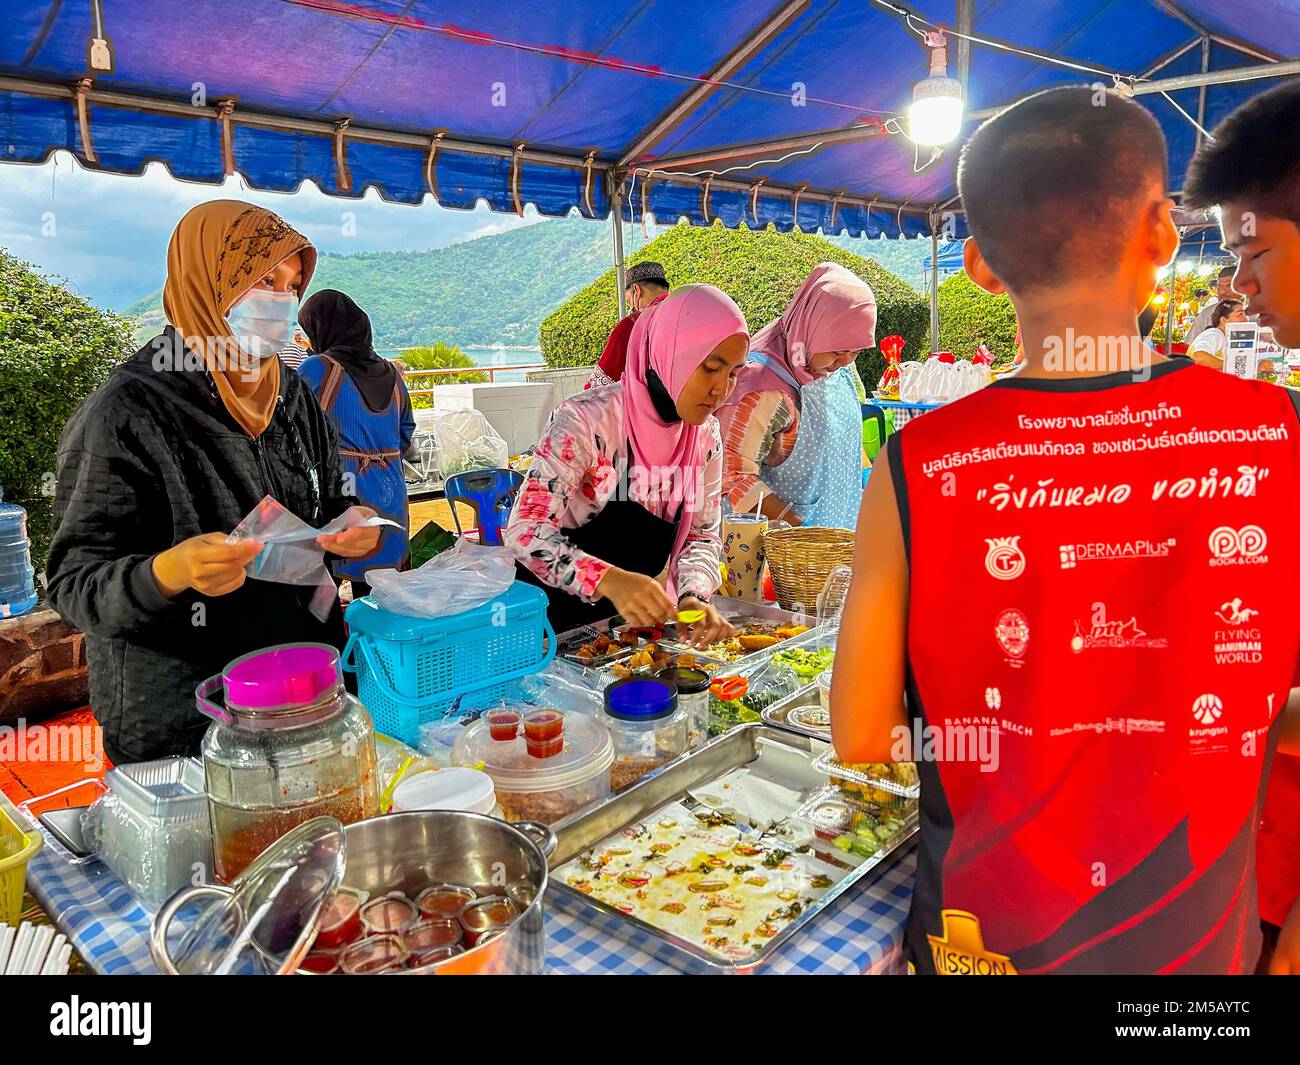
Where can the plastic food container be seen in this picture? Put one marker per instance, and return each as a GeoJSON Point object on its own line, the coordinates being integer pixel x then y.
{"type": "Point", "coordinates": [824, 688]}
{"type": "Point", "coordinates": [647, 725]}
{"type": "Point", "coordinates": [341, 922]}
{"type": "Point", "coordinates": [873, 782]}
{"type": "Point", "coordinates": [444, 900]}
{"type": "Point", "coordinates": [433, 933]}
{"type": "Point", "coordinates": [446, 789]}
{"type": "Point", "coordinates": [692, 696]}
{"type": "Point", "coordinates": [152, 827]}
{"type": "Point", "coordinates": [374, 955]}
{"type": "Point", "coordinates": [487, 916]}
{"type": "Point", "coordinates": [531, 788]}
{"type": "Point", "coordinates": [389, 913]}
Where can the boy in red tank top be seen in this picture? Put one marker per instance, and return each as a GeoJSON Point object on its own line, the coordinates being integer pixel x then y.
{"type": "Point", "coordinates": [1081, 577]}
{"type": "Point", "coordinates": [1251, 172]}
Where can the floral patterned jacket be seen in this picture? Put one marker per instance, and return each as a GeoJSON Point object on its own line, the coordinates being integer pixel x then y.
{"type": "Point", "coordinates": [576, 470]}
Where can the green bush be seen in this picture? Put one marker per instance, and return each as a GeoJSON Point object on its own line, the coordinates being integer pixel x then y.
{"type": "Point", "coordinates": [969, 316]}
{"type": "Point", "coordinates": [55, 349]}
{"type": "Point", "coordinates": [760, 269]}
{"type": "Point", "coordinates": [438, 356]}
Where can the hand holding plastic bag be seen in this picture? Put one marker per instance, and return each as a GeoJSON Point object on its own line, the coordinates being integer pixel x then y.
{"type": "Point", "coordinates": [290, 553]}
{"type": "Point", "coordinates": [461, 578]}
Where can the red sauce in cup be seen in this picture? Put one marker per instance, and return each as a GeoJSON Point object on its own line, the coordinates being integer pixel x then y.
{"type": "Point", "coordinates": [487, 915]}
{"type": "Point", "coordinates": [502, 724]}
{"type": "Point", "coordinates": [444, 900]}
{"type": "Point", "coordinates": [543, 725]}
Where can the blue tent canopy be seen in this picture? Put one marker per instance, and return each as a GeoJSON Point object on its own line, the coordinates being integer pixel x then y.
{"type": "Point", "coordinates": [950, 257]}
{"type": "Point", "coordinates": [754, 112]}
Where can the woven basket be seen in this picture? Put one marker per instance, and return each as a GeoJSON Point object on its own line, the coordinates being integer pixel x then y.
{"type": "Point", "coordinates": [800, 560]}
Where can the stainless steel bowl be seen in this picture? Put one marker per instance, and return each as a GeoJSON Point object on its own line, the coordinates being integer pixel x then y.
{"type": "Point", "coordinates": [409, 851]}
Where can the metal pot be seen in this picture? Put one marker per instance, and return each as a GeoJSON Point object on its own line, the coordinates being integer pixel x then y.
{"type": "Point", "coordinates": [397, 852]}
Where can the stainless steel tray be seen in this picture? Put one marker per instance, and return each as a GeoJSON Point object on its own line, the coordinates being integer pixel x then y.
{"type": "Point", "coordinates": [587, 828]}
{"type": "Point", "coordinates": [778, 714]}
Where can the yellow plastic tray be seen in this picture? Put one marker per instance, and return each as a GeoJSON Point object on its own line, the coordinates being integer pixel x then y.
{"type": "Point", "coordinates": [19, 842]}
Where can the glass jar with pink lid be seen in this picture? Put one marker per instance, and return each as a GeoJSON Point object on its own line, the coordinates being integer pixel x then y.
{"type": "Point", "coordinates": [287, 743]}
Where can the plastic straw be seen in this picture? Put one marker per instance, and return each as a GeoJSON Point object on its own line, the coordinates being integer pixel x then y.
{"type": "Point", "coordinates": [22, 942]}
{"type": "Point", "coordinates": [41, 941]}
{"type": "Point", "coordinates": [6, 942]}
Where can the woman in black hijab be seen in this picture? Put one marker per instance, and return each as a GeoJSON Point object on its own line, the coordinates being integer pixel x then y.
{"type": "Point", "coordinates": [367, 399]}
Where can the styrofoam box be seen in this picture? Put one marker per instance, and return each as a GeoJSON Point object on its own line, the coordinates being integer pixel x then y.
{"type": "Point", "coordinates": [517, 410]}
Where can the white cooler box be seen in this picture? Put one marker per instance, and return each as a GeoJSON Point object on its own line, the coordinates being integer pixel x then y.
{"type": "Point", "coordinates": [517, 410]}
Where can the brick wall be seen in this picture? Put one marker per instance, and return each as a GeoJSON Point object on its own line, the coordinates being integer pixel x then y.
{"type": "Point", "coordinates": [42, 667]}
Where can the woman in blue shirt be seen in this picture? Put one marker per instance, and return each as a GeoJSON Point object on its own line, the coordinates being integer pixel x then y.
{"type": "Point", "coordinates": [367, 399]}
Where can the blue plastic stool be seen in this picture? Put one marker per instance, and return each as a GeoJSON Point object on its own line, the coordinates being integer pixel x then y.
{"type": "Point", "coordinates": [490, 494]}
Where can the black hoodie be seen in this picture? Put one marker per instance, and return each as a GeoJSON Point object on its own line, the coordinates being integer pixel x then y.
{"type": "Point", "coordinates": [150, 459]}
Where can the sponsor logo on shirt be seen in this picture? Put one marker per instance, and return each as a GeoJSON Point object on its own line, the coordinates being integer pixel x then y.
{"type": "Point", "coordinates": [1207, 709]}
{"type": "Point", "coordinates": [993, 698]}
{"type": "Point", "coordinates": [1126, 726]}
{"type": "Point", "coordinates": [1073, 555]}
{"type": "Point", "coordinates": [1235, 613]}
{"type": "Point", "coordinates": [1238, 547]}
{"type": "Point", "coordinates": [1116, 634]}
{"type": "Point", "coordinates": [1012, 633]}
{"type": "Point", "coordinates": [960, 951]}
{"type": "Point", "coordinates": [1004, 560]}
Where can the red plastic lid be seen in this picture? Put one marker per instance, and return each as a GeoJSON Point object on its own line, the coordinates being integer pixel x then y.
{"type": "Point", "coordinates": [295, 674]}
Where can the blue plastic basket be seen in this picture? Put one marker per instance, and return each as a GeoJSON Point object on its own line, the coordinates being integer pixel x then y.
{"type": "Point", "coordinates": [411, 671]}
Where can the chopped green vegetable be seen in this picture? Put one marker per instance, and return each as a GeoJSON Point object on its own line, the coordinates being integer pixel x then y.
{"type": "Point", "coordinates": [805, 663]}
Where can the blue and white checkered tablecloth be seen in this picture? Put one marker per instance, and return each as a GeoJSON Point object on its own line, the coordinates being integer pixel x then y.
{"type": "Point", "coordinates": [860, 933]}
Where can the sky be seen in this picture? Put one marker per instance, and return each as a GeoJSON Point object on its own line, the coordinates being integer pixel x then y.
{"type": "Point", "coordinates": [106, 234]}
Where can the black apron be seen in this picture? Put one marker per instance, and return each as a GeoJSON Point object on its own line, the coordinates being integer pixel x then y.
{"type": "Point", "coordinates": [625, 535]}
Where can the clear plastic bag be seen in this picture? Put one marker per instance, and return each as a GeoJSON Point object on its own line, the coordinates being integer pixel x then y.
{"type": "Point", "coordinates": [467, 441]}
{"type": "Point", "coordinates": [290, 553]}
{"type": "Point", "coordinates": [461, 578]}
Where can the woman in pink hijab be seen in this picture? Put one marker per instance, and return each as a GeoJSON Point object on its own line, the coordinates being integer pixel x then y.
{"type": "Point", "coordinates": [792, 429]}
{"type": "Point", "coordinates": [627, 481]}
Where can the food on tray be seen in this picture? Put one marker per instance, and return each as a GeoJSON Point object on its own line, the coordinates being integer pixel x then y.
{"type": "Point", "coordinates": [858, 778]}
{"type": "Point", "coordinates": [699, 877]}
{"type": "Point", "coordinates": [854, 827]}
{"type": "Point", "coordinates": [600, 648]}
{"type": "Point", "coordinates": [625, 770]}
{"type": "Point", "coordinates": [752, 637]}
{"type": "Point", "coordinates": [652, 658]}
{"type": "Point", "coordinates": [726, 714]}
{"type": "Point", "coordinates": [806, 662]}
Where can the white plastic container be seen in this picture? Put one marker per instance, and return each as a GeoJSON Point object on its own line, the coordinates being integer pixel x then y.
{"type": "Point", "coordinates": [824, 688]}
{"type": "Point", "coordinates": [529, 788]}
{"type": "Point", "coordinates": [518, 411]}
{"type": "Point", "coordinates": [446, 789]}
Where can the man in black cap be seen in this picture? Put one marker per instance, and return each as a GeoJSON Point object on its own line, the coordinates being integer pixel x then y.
{"type": "Point", "coordinates": [645, 284]}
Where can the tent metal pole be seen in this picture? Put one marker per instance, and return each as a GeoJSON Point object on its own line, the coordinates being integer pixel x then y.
{"type": "Point", "coordinates": [771, 28]}
{"type": "Point", "coordinates": [934, 287]}
{"type": "Point", "coordinates": [722, 153]}
{"type": "Point", "coordinates": [1233, 76]}
{"type": "Point", "coordinates": [1200, 101]}
{"type": "Point", "coordinates": [616, 218]}
{"type": "Point", "coordinates": [965, 24]}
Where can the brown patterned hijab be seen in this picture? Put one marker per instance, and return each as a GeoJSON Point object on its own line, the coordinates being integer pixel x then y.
{"type": "Point", "coordinates": [219, 251]}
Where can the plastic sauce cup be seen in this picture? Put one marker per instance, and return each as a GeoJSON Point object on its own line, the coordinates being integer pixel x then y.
{"type": "Point", "coordinates": [543, 725]}
{"type": "Point", "coordinates": [389, 913]}
{"type": "Point", "coordinates": [444, 900]}
{"type": "Point", "coordinates": [487, 915]}
{"type": "Point", "coordinates": [373, 955]}
{"type": "Point", "coordinates": [502, 724]}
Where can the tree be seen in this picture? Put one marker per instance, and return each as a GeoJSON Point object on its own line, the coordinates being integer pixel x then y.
{"type": "Point", "coordinates": [759, 269]}
{"type": "Point", "coordinates": [55, 349]}
{"type": "Point", "coordinates": [438, 356]}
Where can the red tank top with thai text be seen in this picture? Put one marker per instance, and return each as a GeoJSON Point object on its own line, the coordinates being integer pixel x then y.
{"type": "Point", "coordinates": [1102, 632]}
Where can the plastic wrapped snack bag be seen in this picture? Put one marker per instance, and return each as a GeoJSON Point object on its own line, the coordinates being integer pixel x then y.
{"type": "Point", "coordinates": [467, 441]}
{"type": "Point", "coordinates": [290, 553]}
{"type": "Point", "coordinates": [461, 578]}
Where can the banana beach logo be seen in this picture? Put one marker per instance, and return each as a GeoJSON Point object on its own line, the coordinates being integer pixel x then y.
{"type": "Point", "coordinates": [960, 951]}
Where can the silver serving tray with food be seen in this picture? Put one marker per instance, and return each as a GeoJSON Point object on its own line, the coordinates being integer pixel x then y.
{"type": "Point", "coordinates": [788, 756]}
{"type": "Point", "coordinates": [801, 712]}
{"type": "Point", "coordinates": [567, 644]}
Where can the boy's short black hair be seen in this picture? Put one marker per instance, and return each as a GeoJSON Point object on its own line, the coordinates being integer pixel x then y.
{"type": "Point", "coordinates": [1052, 184]}
{"type": "Point", "coordinates": [1227, 271]}
{"type": "Point", "coordinates": [1254, 157]}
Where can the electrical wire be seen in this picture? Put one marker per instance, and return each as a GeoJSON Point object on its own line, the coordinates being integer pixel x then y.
{"type": "Point", "coordinates": [1203, 131]}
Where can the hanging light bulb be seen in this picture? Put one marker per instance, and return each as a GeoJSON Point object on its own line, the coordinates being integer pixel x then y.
{"type": "Point", "coordinates": [937, 106]}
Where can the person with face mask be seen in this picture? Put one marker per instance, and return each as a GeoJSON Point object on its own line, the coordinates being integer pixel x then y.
{"type": "Point", "coordinates": [161, 462]}
{"type": "Point", "coordinates": [627, 480]}
{"type": "Point", "coordinates": [793, 427]}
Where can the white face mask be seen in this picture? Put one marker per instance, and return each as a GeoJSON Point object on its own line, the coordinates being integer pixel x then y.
{"type": "Point", "coordinates": [262, 321]}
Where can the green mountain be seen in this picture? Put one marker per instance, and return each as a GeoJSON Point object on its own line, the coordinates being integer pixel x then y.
{"type": "Point", "coordinates": [760, 269]}
{"type": "Point", "coordinates": [495, 289]}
